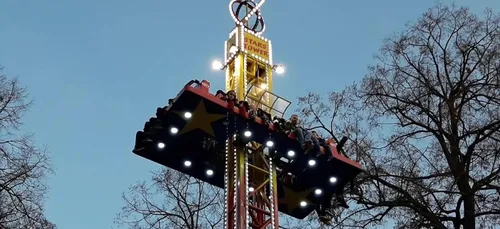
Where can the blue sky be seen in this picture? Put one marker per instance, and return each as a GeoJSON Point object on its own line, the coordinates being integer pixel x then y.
{"type": "Point", "coordinates": [98, 70]}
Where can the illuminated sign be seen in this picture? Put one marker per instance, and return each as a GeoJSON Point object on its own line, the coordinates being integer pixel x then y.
{"type": "Point", "coordinates": [256, 46]}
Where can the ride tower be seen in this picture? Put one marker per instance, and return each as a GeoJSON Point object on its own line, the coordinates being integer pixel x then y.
{"type": "Point", "coordinates": [204, 136]}
{"type": "Point", "coordinates": [253, 202]}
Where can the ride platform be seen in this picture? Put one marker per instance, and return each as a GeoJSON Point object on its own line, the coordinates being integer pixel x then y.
{"type": "Point", "coordinates": [190, 136]}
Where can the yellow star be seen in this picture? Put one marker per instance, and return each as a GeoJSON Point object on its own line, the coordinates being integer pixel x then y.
{"type": "Point", "coordinates": [200, 119]}
{"type": "Point", "coordinates": [292, 199]}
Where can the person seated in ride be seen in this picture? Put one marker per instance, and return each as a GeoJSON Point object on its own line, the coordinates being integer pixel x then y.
{"type": "Point", "coordinates": [325, 212]}
{"type": "Point", "coordinates": [221, 95]}
{"type": "Point", "coordinates": [281, 125]}
{"type": "Point", "coordinates": [153, 124]}
{"type": "Point", "coordinates": [264, 116]}
{"type": "Point", "coordinates": [232, 102]}
{"type": "Point", "coordinates": [243, 106]}
{"type": "Point", "coordinates": [303, 136]}
{"type": "Point", "coordinates": [331, 207]}
{"type": "Point", "coordinates": [252, 111]}
{"type": "Point", "coordinates": [319, 142]}
{"type": "Point", "coordinates": [231, 99]}
{"type": "Point", "coordinates": [255, 112]}
{"type": "Point", "coordinates": [161, 111]}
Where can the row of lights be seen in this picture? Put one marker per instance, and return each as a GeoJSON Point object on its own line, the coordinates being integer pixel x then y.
{"type": "Point", "coordinates": [247, 134]}
{"type": "Point", "coordinates": [209, 172]}
{"type": "Point", "coordinates": [318, 191]}
{"type": "Point", "coordinates": [187, 163]}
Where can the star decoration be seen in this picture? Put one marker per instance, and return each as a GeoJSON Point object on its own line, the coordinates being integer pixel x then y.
{"type": "Point", "coordinates": [200, 119]}
{"type": "Point", "coordinates": [292, 199]}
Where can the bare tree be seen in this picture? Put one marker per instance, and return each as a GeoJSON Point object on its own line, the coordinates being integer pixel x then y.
{"type": "Point", "coordinates": [172, 200]}
{"type": "Point", "coordinates": [425, 124]}
{"type": "Point", "coordinates": [175, 200]}
{"type": "Point", "coordinates": [23, 166]}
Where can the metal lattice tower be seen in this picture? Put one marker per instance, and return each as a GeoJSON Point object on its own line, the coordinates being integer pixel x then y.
{"type": "Point", "coordinates": [250, 179]}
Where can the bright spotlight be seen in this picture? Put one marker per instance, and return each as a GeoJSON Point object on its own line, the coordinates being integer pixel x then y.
{"type": "Point", "coordinates": [161, 145]}
{"type": "Point", "coordinates": [303, 203]}
{"type": "Point", "coordinates": [187, 163]}
{"type": "Point", "coordinates": [317, 191]}
{"type": "Point", "coordinates": [269, 143]}
{"type": "Point", "coordinates": [210, 172]}
{"type": "Point", "coordinates": [333, 180]}
{"type": "Point", "coordinates": [263, 86]}
{"type": "Point", "coordinates": [233, 49]}
{"type": "Point", "coordinates": [188, 115]}
{"type": "Point", "coordinates": [247, 133]}
{"type": "Point", "coordinates": [290, 153]}
{"type": "Point", "coordinates": [280, 69]}
{"type": "Point", "coordinates": [217, 65]}
{"type": "Point", "coordinates": [250, 189]}
{"type": "Point", "coordinates": [311, 162]}
{"type": "Point", "coordinates": [174, 130]}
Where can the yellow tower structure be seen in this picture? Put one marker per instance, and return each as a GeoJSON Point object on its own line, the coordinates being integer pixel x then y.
{"type": "Point", "coordinates": [249, 63]}
{"type": "Point", "coordinates": [250, 180]}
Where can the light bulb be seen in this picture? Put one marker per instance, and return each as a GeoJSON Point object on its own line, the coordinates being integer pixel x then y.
{"type": "Point", "coordinates": [280, 69]}
{"type": "Point", "coordinates": [217, 65]}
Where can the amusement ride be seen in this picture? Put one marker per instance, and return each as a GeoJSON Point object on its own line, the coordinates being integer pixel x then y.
{"type": "Point", "coordinates": [215, 140]}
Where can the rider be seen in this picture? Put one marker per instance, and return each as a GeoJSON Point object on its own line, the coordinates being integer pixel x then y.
{"type": "Point", "coordinates": [231, 98]}
{"type": "Point", "coordinates": [221, 95]}
{"type": "Point", "coordinates": [331, 207]}
{"type": "Point", "coordinates": [319, 142]}
{"type": "Point", "coordinates": [303, 136]}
